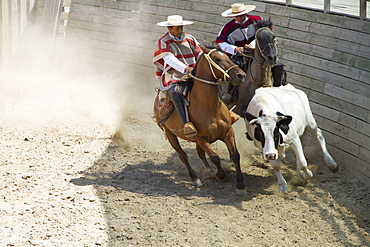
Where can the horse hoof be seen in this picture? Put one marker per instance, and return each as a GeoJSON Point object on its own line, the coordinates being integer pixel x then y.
{"type": "Point", "coordinates": [197, 183]}
{"type": "Point", "coordinates": [242, 192]}
{"type": "Point", "coordinates": [220, 175]}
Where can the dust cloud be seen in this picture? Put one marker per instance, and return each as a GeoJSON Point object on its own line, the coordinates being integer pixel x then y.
{"type": "Point", "coordinates": [48, 84]}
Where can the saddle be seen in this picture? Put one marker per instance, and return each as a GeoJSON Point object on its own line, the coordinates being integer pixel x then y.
{"type": "Point", "coordinates": [165, 103]}
{"type": "Point", "coordinates": [183, 87]}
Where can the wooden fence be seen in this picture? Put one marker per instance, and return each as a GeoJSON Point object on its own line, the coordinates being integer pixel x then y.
{"type": "Point", "coordinates": [325, 55]}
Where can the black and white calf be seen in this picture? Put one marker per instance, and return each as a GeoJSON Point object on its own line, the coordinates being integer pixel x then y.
{"type": "Point", "coordinates": [275, 119]}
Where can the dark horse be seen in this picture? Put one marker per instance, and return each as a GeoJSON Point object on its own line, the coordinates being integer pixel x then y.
{"type": "Point", "coordinates": [259, 67]}
{"type": "Point", "coordinates": [209, 115]}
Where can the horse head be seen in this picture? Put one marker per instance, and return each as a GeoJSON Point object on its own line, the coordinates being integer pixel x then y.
{"type": "Point", "coordinates": [221, 68]}
{"type": "Point", "coordinates": [266, 41]}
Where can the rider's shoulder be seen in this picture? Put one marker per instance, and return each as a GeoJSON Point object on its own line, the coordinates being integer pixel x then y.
{"type": "Point", "coordinates": [254, 17]}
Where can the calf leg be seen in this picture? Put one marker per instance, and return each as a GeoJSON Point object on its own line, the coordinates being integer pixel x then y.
{"type": "Point", "coordinates": [329, 161]}
{"type": "Point", "coordinates": [183, 157]}
{"type": "Point", "coordinates": [302, 169]}
{"type": "Point", "coordinates": [282, 185]}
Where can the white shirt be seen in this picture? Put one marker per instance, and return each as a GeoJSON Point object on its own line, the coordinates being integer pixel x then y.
{"type": "Point", "coordinates": [172, 61]}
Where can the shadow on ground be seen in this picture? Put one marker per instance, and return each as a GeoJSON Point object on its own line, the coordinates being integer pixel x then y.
{"type": "Point", "coordinates": [135, 184]}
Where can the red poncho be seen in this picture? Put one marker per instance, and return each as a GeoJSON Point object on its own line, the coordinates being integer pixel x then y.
{"type": "Point", "coordinates": [186, 51]}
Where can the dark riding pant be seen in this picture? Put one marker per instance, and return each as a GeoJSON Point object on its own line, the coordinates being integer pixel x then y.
{"type": "Point", "coordinates": [279, 75]}
{"type": "Point", "coordinates": [178, 101]}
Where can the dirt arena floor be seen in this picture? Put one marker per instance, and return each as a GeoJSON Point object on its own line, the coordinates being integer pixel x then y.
{"type": "Point", "coordinates": [67, 182]}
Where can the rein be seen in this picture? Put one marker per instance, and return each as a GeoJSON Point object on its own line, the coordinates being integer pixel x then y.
{"type": "Point", "coordinates": [263, 65]}
{"type": "Point", "coordinates": [218, 67]}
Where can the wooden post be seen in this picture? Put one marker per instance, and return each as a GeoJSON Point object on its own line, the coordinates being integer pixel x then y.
{"type": "Point", "coordinates": [326, 6]}
{"type": "Point", "coordinates": [363, 4]}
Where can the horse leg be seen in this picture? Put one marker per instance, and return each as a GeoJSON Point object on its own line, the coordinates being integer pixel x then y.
{"type": "Point", "coordinates": [235, 157]}
{"type": "Point", "coordinates": [183, 157]}
{"type": "Point", "coordinates": [206, 147]}
{"type": "Point", "coordinates": [202, 156]}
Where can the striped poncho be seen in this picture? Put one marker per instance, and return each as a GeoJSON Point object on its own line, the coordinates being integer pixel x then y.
{"type": "Point", "coordinates": [186, 50]}
{"type": "Point", "coordinates": [234, 33]}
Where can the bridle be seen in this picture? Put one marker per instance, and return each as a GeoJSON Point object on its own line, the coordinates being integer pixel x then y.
{"type": "Point", "coordinates": [263, 64]}
{"type": "Point", "coordinates": [212, 64]}
{"type": "Point", "coordinates": [272, 45]}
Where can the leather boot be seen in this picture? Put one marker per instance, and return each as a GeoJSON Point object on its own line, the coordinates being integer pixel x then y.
{"type": "Point", "coordinates": [228, 97]}
{"type": "Point", "coordinates": [279, 75]}
{"type": "Point", "coordinates": [178, 101]}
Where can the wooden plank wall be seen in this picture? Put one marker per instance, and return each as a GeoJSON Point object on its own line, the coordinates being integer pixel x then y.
{"type": "Point", "coordinates": [325, 55]}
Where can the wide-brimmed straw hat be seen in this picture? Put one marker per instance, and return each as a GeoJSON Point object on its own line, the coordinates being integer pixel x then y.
{"type": "Point", "coordinates": [174, 20]}
{"type": "Point", "coordinates": [238, 9]}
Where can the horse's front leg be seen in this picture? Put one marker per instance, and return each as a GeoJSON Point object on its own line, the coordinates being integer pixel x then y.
{"type": "Point", "coordinates": [183, 156]}
{"type": "Point", "coordinates": [235, 157]}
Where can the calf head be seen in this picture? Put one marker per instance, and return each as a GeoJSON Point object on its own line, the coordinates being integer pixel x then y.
{"type": "Point", "coordinates": [267, 131]}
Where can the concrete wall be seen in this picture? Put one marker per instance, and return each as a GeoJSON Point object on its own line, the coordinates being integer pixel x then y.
{"type": "Point", "coordinates": [325, 55]}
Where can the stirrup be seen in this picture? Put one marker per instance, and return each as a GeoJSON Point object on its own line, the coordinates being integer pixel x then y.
{"type": "Point", "coordinates": [190, 130]}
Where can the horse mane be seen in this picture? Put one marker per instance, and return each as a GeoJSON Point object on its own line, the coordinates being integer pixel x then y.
{"type": "Point", "coordinates": [264, 23]}
{"type": "Point", "coordinates": [211, 45]}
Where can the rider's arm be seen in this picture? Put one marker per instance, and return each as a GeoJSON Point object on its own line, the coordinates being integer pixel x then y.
{"type": "Point", "coordinates": [253, 44]}
{"type": "Point", "coordinates": [172, 61]}
{"type": "Point", "coordinates": [226, 47]}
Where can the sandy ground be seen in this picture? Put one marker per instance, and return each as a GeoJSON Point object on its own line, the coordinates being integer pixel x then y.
{"type": "Point", "coordinates": [68, 183]}
{"type": "Point", "coordinates": [64, 181]}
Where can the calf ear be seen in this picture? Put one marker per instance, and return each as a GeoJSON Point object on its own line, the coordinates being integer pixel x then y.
{"type": "Point", "coordinates": [248, 136]}
{"type": "Point", "coordinates": [249, 116]}
{"type": "Point", "coordinates": [284, 122]}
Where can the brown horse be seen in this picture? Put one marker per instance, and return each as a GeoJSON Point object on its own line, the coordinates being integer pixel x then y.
{"type": "Point", "coordinates": [209, 115]}
{"type": "Point", "coordinates": [259, 68]}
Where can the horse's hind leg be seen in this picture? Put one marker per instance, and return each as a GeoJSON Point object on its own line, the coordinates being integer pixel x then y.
{"type": "Point", "coordinates": [206, 147]}
{"type": "Point", "coordinates": [235, 157]}
{"type": "Point", "coordinates": [207, 171]}
{"type": "Point", "coordinates": [202, 156]}
{"type": "Point", "coordinates": [183, 157]}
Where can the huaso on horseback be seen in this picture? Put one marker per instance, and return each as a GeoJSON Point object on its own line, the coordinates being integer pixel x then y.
{"type": "Point", "coordinates": [249, 41]}
{"type": "Point", "coordinates": [177, 53]}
